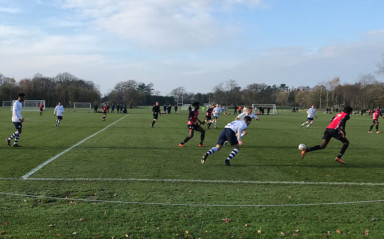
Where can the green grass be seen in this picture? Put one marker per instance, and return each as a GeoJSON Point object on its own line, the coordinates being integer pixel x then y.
{"type": "Point", "coordinates": [107, 205]}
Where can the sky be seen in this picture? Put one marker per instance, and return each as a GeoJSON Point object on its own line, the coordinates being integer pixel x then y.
{"type": "Point", "coordinates": [193, 44]}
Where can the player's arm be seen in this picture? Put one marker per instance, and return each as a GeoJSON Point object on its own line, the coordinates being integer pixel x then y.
{"type": "Point", "coordinates": [18, 114]}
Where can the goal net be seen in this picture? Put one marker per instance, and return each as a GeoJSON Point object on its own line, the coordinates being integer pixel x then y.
{"type": "Point", "coordinates": [7, 103]}
{"type": "Point", "coordinates": [82, 105]}
{"type": "Point", "coordinates": [185, 106]}
{"type": "Point", "coordinates": [264, 109]}
{"type": "Point", "coordinates": [31, 105]}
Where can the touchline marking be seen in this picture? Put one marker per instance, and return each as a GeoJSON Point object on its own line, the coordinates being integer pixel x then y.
{"type": "Point", "coordinates": [68, 149]}
{"type": "Point", "coordinates": [202, 181]}
{"type": "Point", "coordinates": [191, 205]}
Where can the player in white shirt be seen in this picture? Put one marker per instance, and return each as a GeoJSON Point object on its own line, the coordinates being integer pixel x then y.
{"type": "Point", "coordinates": [311, 114]}
{"type": "Point", "coordinates": [231, 133]}
{"type": "Point", "coordinates": [216, 111]}
{"type": "Point", "coordinates": [59, 110]}
{"type": "Point", "coordinates": [248, 112]}
{"type": "Point", "coordinates": [17, 120]}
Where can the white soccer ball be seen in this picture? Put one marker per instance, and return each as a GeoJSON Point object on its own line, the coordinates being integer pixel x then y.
{"type": "Point", "coordinates": [302, 146]}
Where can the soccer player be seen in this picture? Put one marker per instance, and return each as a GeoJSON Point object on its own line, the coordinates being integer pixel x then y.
{"type": "Point", "coordinates": [58, 111]}
{"type": "Point", "coordinates": [41, 108]}
{"type": "Point", "coordinates": [336, 129]}
{"type": "Point", "coordinates": [375, 117]}
{"type": "Point", "coordinates": [208, 116]}
{"type": "Point", "coordinates": [104, 110]}
{"type": "Point", "coordinates": [231, 133]}
{"type": "Point", "coordinates": [194, 124]}
{"type": "Point", "coordinates": [248, 112]}
{"type": "Point", "coordinates": [17, 120]}
{"type": "Point", "coordinates": [311, 113]}
{"type": "Point", "coordinates": [216, 111]}
{"type": "Point", "coordinates": [156, 112]}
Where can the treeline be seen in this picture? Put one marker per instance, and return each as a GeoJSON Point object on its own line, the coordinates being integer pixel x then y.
{"type": "Point", "coordinates": [64, 87]}
{"type": "Point", "coordinates": [366, 93]}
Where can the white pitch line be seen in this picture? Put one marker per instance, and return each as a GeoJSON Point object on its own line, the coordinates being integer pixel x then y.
{"type": "Point", "coordinates": [205, 181]}
{"type": "Point", "coordinates": [192, 205]}
{"type": "Point", "coordinates": [26, 176]}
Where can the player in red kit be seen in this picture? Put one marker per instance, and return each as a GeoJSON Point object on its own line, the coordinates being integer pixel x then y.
{"type": "Point", "coordinates": [336, 129]}
{"type": "Point", "coordinates": [375, 117]}
{"type": "Point", "coordinates": [105, 109]}
{"type": "Point", "coordinates": [208, 116]}
{"type": "Point", "coordinates": [194, 124]}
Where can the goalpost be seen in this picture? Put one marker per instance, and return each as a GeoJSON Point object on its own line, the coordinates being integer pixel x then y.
{"type": "Point", "coordinates": [258, 109]}
{"type": "Point", "coordinates": [31, 105]}
{"type": "Point", "coordinates": [82, 105]}
{"type": "Point", "coordinates": [7, 103]}
{"type": "Point", "coordinates": [185, 106]}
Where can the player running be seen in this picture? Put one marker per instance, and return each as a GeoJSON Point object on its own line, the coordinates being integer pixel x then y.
{"type": "Point", "coordinates": [375, 117]}
{"type": "Point", "coordinates": [17, 120]}
{"type": "Point", "coordinates": [41, 106]}
{"type": "Point", "coordinates": [156, 112]}
{"type": "Point", "coordinates": [194, 124]}
{"type": "Point", "coordinates": [216, 111]}
{"type": "Point", "coordinates": [104, 111]}
{"type": "Point", "coordinates": [208, 116]}
{"type": "Point", "coordinates": [231, 133]}
{"type": "Point", "coordinates": [336, 129]}
{"type": "Point", "coordinates": [311, 114]}
{"type": "Point", "coordinates": [58, 111]}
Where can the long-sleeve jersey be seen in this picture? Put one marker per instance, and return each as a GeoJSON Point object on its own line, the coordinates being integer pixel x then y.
{"type": "Point", "coordinates": [242, 116]}
{"type": "Point", "coordinates": [59, 110]}
{"type": "Point", "coordinates": [339, 121]}
{"type": "Point", "coordinates": [237, 126]}
{"type": "Point", "coordinates": [16, 111]}
{"type": "Point", "coordinates": [216, 111]}
{"type": "Point", "coordinates": [156, 109]}
{"type": "Point", "coordinates": [311, 112]}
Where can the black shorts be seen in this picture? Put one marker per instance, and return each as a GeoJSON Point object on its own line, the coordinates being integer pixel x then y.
{"type": "Point", "coordinates": [41, 109]}
{"type": "Point", "coordinates": [194, 126]}
{"type": "Point", "coordinates": [208, 117]}
{"type": "Point", "coordinates": [309, 119]}
{"type": "Point", "coordinates": [18, 125]}
{"type": "Point", "coordinates": [155, 116]}
{"type": "Point", "coordinates": [332, 133]}
{"type": "Point", "coordinates": [60, 117]}
{"type": "Point", "coordinates": [227, 135]}
{"type": "Point", "coordinates": [375, 121]}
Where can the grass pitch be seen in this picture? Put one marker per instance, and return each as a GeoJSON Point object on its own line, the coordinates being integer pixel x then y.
{"type": "Point", "coordinates": [133, 181]}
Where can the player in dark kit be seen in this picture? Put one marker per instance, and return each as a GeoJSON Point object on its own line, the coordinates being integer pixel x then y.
{"type": "Point", "coordinates": [375, 117]}
{"type": "Point", "coordinates": [336, 129]}
{"type": "Point", "coordinates": [156, 112]}
{"type": "Point", "coordinates": [208, 116]}
{"type": "Point", "coordinates": [194, 124]}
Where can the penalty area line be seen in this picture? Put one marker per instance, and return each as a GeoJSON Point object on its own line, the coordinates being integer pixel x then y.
{"type": "Point", "coordinates": [26, 176]}
{"type": "Point", "coordinates": [164, 180]}
{"type": "Point", "coordinates": [191, 205]}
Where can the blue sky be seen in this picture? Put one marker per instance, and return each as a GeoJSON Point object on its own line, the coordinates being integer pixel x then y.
{"type": "Point", "coordinates": [195, 44]}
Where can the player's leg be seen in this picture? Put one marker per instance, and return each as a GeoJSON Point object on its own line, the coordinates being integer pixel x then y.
{"type": "Point", "coordinates": [323, 145]}
{"type": "Point", "coordinates": [370, 128]}
{"type": "Point", "coordinates": [232, 154]}
{"type": "Point", "coordinates": [306, 122]}
{"type": "Point", "coordinates": [202, 136]}
{"type": "Point", "coordinates": [345, 142]}
{"type": "Point", "coordinates": [377, 127]}
{"type": "Point", "coordinates": [219, 145]}
{"type": "Point", "coordinates": [310, 123]}
{"type": "Point", "coordinates": [190, 136]}
{"type": "Point", "coordinates": [154, 120]}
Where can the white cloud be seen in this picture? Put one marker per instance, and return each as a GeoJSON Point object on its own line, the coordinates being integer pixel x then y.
{"type": "Point", "coordinates": [9, 10]}
{"type": "Point", "coordinates": [176, 24]}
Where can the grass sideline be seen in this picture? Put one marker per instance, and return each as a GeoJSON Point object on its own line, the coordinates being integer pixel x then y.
{"type": "Point", "coordinates": [131, 149]}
